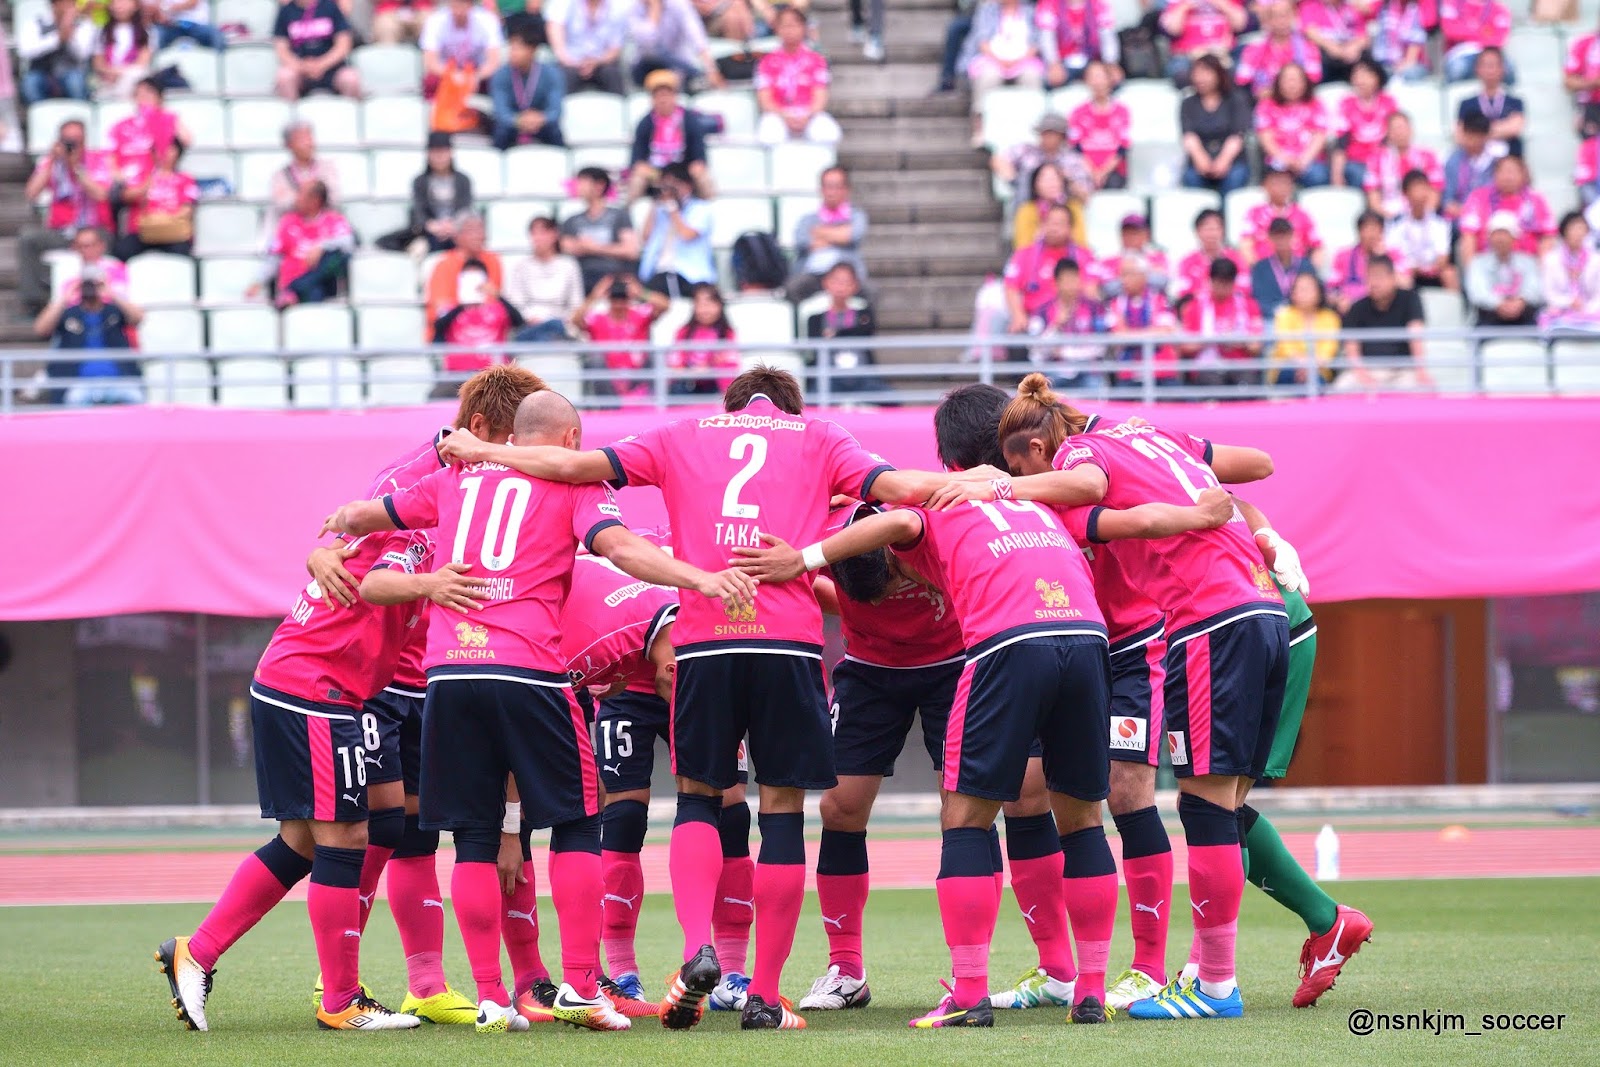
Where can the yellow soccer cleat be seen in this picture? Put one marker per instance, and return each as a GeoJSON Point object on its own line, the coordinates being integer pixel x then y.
{"type": "Point", "coordinates": [447, 1009]}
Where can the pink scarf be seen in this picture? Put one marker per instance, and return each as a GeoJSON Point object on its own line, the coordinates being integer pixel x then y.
{"type": "Point", "coordinates": [830, 216]}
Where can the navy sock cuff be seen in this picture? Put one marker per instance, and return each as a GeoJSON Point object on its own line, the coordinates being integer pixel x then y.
{"type": "Point", "coordinates": [1205, 823]}
{"type": "Point", "coordinates": [338, 868]}
{"type": "Point", "coordinates": [1031, 837]}
{"type": "Point", "coordinates": [286, 865]}
{"type": "Point", "coordinates": [1142, 833]}
{"type": "Point", "coordinates": [477, 845]}
{"type": "Point", "coordinates": [842, 852]}
{"type": "Point", "coordinates": [1086, 853]}
{"type": "Point", "coordinates": [1247, 820]}
{"type": "Point", "coordinates": [733, 824]}
{"type": "Point", "coordinates": [386, 827]}
{"type": "Point", "coordinates": [695, 808]}
{"type": "Point", "coordinates": [783, 837]}
{"type": "Point", "coordinates": [415, 841]}
{"type": "Point", "coordinates": [525, 839]}
{"type": "Point", "coordinates": [967, 852]}
{"type": "Point", "coordinates": [579, 835]}
{"type": "Point", "coordinates": [997, 862]}
{"type": "Point", "coordinates": [623, 825]}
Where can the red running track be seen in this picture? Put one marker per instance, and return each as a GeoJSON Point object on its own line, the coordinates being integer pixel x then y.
{"type": "Point", "coordinates": [198, 877]}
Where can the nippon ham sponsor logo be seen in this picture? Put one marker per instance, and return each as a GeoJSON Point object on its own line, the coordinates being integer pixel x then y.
{"type": "Point", "coordinates": [483, 466]}
{"type": "Point", "coordinates": [1178, 748]}
{"type": "Point", "coordinates": [744, 421]}
{"type": "Point", "coordinates": [627, 592]}
{"type": "Point", "coordinates": [1128, 734]}
{"type": "Point", "coordinates": [1024, 539]}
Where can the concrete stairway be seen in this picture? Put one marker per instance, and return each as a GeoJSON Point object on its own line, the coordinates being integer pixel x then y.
{"type": "Point", "coordinates": [15, 213]}
{"type": "Point", "coordinates": [935, 227]}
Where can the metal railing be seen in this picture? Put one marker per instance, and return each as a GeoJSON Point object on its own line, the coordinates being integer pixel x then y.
{"type": "Point", "coordinates": [1134, 367]}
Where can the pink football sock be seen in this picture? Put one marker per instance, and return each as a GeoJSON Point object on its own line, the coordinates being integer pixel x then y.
{"type": "Point", "coordinates": [733, 912]}
{"type": "Point", "coordinates": [575, 889]}
{"type": "Point", "coordinates": [1149, 881]}
{"type": "Point", "coordinates": [1091, 891]}
{"type": "Point", "coordinates": [475, 890]}
{"type": "Point", "coordinates": [519, 929]}
{"type": "Point", "coordinates": [372, 866]}
{"type": "Point", "coordinates": [780, 889]}
{"type": "Point", "coordinates": [624, 892]}
{"type": "Point", "coordinates": [969, 911]}
{"type": "Point", "coordinates": [334, 907]}
{"type": "Point", "coordinates": [843, 899]}
{"type": "Point", "coordinates": [418, 909]}
{"type": "Point", "coordinates": [1216, 886]}
{"type": "Point", "coordinates": [695, 863]}
{"type": "Point", "coordinates": [1041, 897]}
{"type": "Point", "coordinates": [253, 891]}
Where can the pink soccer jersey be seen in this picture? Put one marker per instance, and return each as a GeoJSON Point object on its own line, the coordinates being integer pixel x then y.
{"type": "Point", "coordinates": [1294, 125]}
{"type": "Point", "coordinates": [727, 479]}
{"type": "Point", "coordinates": [1009, 569]}
{"type": "Point", "coordinates": [608, 623]}
{"type": "Point", "coordinates": [1100, 135]}
{"type": "Point", "coordinates": [1364, 125]}
{"type": "Point", "coordinates": [406, 471]}
{"type": "Point", "coordinates": [1583, 60]}
{"type": "Point", "coordinates": [1203, 576]}
{"type": "Point", "coordinates": [912, 626]}
{"type": "Point", "coordinates": [1194, 272]}
{"type": "Point", "coordinates": [1129, 612]}
{"type": "Point", "coordinates": [521, 535]}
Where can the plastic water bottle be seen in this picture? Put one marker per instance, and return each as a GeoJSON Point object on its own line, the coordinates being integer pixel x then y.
{"type": "Point", "coordinates": [1327, 854]}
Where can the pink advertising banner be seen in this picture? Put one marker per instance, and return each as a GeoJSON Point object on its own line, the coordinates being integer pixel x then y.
{"type": "Point", "coordinates": [152, 509]}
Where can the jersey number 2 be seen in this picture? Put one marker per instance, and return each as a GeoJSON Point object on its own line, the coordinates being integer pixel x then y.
{"type": "Point", "coordinates": [732, 506]}
{"type": "Point", "coordinates": [500, 533]}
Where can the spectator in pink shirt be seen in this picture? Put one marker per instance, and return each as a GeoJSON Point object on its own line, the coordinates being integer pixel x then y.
{"type": "Point", "coordinates": [708, 322]}
{"type": "Point", "coordinates": [1278, 184]}
{"type": "Point", "coordinates": [1102, 129]}
{"type": "Point", "coordinates": [1005, 48]}
{"type": "Point", "coordinates": [160, 216]}
{"type": "Point", "coordinates": [1292, 128]}
{"type": "Point", "coordinates": [1347, 282]}
{"type": "Point", "coordinates": [1386, 171]}
{"type": "Point", "coordinates": [1134, 235]}
{"type": "Point", "coordinates": [1074, 33]}
{"type": "Point", "coordinates": [78, 181]}
{"type": "Point", "coordinates": [1581, 76]}
{"type": "Point", "coordinates": [1400, 31]}
{"type": "Point", "coordinates": [628, 313]}
{"type": "Point", "coordinates": [1200, 28]}
{"type": "Point", "coordinates": [1280, 43]}
{"type": "Point", "coordinates": [310, 254]}
{"type": "Point", "coordinates": [1508, 193]}
{"type": "Point", "coordinates": [1339, 30]}
{"type": "Point", "coordinates": [1361, 124]}
{"type": "Point", "coordinates": [1195, 268]}
{"type": "Point", "coordinates": [792, 88]}
{"type": "Point", "coordinates": [1468, 27]}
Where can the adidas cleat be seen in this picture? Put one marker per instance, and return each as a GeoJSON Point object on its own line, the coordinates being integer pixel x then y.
{"type": "Point", "coordinates": [759, 1015]}
{"type": "Point", "coordinates": [364, 1013]}
{"type": "Point", "coordinates": [448, 1008]}
{"type": "Point", "coordinates": [835, 991]}
{"type": "Point", "coordinates": [1324, 956]}
{"type": "Point", "coordinates": [191, 983]}
{"type": "Point", "coordinates": [534, 1005]}
{"type": "Point", "coordinates": [1035, 989]}
{"type": "Point", "coordinates": [494, 1019]}
{"type": "Point", "coordinates": [627, 996]}
{"type": "Point", "coordinates": [1089, 1010]}
{"type": "Point", "coordinates": [1179, 1001]}
{"type": "Point", "coordinates": [687, 990]}
{"type": "Point", "coordinates": [948, 1015]}
{"type": "Point", "coordinates": [586, 1014]}
{"type": "Point", "coordinates": [731, 993]}
{"type": "Point", "coordinates": [1133, 985]}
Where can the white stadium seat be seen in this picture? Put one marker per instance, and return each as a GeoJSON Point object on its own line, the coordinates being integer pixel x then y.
{"type": "Point", "coordinates": [536, 170]}
{"type": "Point", "coordinates": [1009, 115]}
{"type": "Point", "coordinates": [45, 119]}
{"type": "Point", "coordinates": [737, 110]}
{"type": "Point", "coordinates": [1236, 206]}
{"type": "Point", "coordinates": [249, 71]}
{"type": "Point", "coordinates": [665, 330]}
{"type": "Point", "coordinates": [559, 370]}
{"type": "Point", "coordinates": [178, 381]}
{"type": "Point", "coordinates": [791, 209]}
{"type": "Point", "coordinates": [257, 16]}
{"type": "Point", "coordinates": [1333, 210]}
{"type": "Point", "coordinates": [224, 279]}
{"type": "Point", "coordinates": [797, 167]}
{"type": "Point", "coordinates": [1172, 218]}
{"type": "Point", "coordinates": [157, 279]}
{"type": "Point", "coordinates": [508, 223]}
{"type": "Point", "coordinates": [633, 109]}
{"type": "Point", "coordinates": [255, 173]}
{"type": "Point", "coordinates": [734, 215]}
{"type": "Point", "coordinates": [739, 169]}
{"type": "Point", "coordinates": [252, 383]}
{"type": "Point", "coordinates": [388, 68]}
{"type": "Point", "coordinates": [393, 171]}
{"type": "Point", "coordinates": [321, 382]}
{"type": "Point", "coordinates": [1425, 104]}
{"type": "Point", "coordinates": [247, 329]}
{"type": "Point", "coordinates": [172, 331]}
{"type": "Point", "coordinates": [612, 158]}
{"type": "Point", "coordinates": [224, 227]}
{"type": "Point", "coordinates": [218, 164]}
{"type": "Point", "coordinates": [380, 328]}
{"type": "Point", "coordinates": [1153, 106]}
{"type": "Point", "coordinates": [107, 114]}
{"type": "Point", "coordinates": [205, 118]}
{"type": "Point", "coordinates": [483, 166]}
{"type": "Point", "coordinates": [318, 328]}
{"type": "Point", "coordinates": [762, 322]}
{"type": "Point", "coordinates": [1442, 309]}
{"type": "Point", "coordinates": [382, 278]}
{"type": "Point", "coordinates": [257, 123]}
{"type": "Point", "coordinates": [372, 219]}
{"type": "Point", "coordinates": [199, 67]}
{"type": "Point", "coordinates": [355, 181]}
{"type": "Point", "coordinates": [1515, 366]}
{"type": "Point", "coordinates": [593, 118]}
{"type": "Point", "coordinates": [1577, 366]}
{"type": "Point", "coordinates": [394, 381]}
{"type": "Point", "coordinates": [394, 120]}
{"type": "Point", "coordinates": [1103, 221]}
{"type": "Point", "coordinates": [336, 120]}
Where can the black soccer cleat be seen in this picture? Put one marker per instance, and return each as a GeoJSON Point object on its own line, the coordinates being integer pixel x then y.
{"type": "Point", "coordinates": [1088, 1010]}
{"type": "Point", "coordinates": [759, 1015]}
{"type": "Point", "coordinates": [684, 1003]}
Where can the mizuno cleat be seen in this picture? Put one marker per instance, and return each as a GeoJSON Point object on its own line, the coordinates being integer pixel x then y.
{"type": "Point", "coordinates": [1324, 956]}
{"type": "Point", "coordinates": [835, 992]}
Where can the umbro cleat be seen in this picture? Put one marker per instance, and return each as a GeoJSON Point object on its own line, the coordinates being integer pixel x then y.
{"type": "Point", "coordinates": [364, 1013]}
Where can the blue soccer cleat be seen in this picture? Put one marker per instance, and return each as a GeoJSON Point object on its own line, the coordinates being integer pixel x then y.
{"type": "Point", "coordinates": [1179, 1000]}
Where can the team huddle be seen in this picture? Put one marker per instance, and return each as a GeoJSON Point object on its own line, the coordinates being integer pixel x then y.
{"type": "Point", "coordinates": [1065, 598]}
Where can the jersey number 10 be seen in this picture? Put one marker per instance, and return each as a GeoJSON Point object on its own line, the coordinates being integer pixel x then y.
{"type": "Point", "coordinates": [500, 532]}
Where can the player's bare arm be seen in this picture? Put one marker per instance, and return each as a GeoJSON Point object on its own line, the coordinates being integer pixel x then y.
{"type": "Point", "coordinates": [449, 587]}
{"type": "Point", "coordinates": [827, 595]}
{"type": "Point", "coordinates": [1084, 484]}
{"type": "Point", "coordinates": [508, 862]}
{"type": "Point", "coordinates": [664, 659]}
{"type": "Point", "coordinates": [1234, 464]}
{"type": "Point", "coordinates": [781, 562]}
{"type": "Point", "coordinates": [1149, 521]}
{"type": "Point", "coordinates": [912, 487]}
{"type": "Point", "coordinates": [1276, 552]}
{"type": "Point", "coordinates": [327, 569]}
{"type": "Point", "coordinates": [638, 557]}
{"type": "Point", "coordinates": [550, 462]}
{"type": "Point", "coordinates": [358, 518]}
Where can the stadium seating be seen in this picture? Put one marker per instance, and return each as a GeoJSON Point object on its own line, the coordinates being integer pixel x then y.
{"type": "Point", "coordinates": [222, 228]}
{"type": "Point", "coordinates": [224, 279]}
{"type": "Point", "coordinates": [156, 279]}
{"type": "Point", "coordinates": [261, 382]}
{"type": "Point", "coordinates": [1577, 366]}
{"type": "Point", "coordinates": [1515, 366]}
{"type": "Point", "coordinates": [323, 382]}
{"type": "Point", "coordinates": [1172, 218]}
{"type": "Point", "coordinates": [178, 381]}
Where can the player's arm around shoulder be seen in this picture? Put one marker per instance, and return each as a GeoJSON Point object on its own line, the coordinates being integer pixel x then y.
{"type": "Point", "coordinates": [359, 518]}
{"type": "Point", "coordinates": [550, 462]}
{"type": "Point", "coordinates": [449, 587]}
{"type": "Point", "coordinates": [1155, 520]}
{"type": "Point", "coordinates": [780, 561]}
{"type": "Point", "coordinates": [644, 561]}
{"type": "Point", "coordinates": [1235, 464]}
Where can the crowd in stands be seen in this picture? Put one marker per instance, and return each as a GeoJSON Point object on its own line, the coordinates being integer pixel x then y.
{"type": "Point", "coordinates": [1294, 138]}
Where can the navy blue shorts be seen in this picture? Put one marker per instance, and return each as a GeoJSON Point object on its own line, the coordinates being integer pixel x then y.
{"type": "Point", "coordinates": [1138, 672]}
{"type": "Point", "coordinates": [625, 733]}
{"type": "Point", "coordinates": [1224, 692]}
{"type": "Point", "coordinates": [310, 758]}
{"type": "Point", "coordinates": [1053, 688]}
{"type": "Point", "coordinates": [477, 729]}
{"type": "Point", "coordinates": [391, 727]}
{"type": "Point", "coordinates": [777, 699]}
{"type": "Point", "coordinates": [873, 708]}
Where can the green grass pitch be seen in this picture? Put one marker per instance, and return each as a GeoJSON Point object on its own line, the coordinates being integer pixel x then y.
{"type": "Point", "coordinates": [78, 986]}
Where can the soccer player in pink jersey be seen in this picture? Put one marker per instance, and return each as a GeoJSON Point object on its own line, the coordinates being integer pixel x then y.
{"type": "Point", "coordinates": [1227, 637]}
{"type": "Point", "coordinates": [1036, 667]}
{"type": "Point", "coordinates": [499, 698]}
{"type": "Point", "coordinates": [760, 466]}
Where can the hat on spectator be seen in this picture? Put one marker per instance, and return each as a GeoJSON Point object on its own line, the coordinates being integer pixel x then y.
{"type": "Point", "coordinates": [439, 139]}
{"type": "Point", "coordinates": [661, 79]}
{"type": "Point", "coordinates": [1134, 221]}
{"type": "Point", "coordinates": [1507, 221]}
{"type": "Point", "coordinates": [1051, 124]}
{"type": "Point", "coordinates": [1279, 226]}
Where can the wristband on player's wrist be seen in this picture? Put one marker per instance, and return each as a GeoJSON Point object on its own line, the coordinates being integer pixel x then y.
{"type": "Point", "coordinates": [1001, 487]}
{"type": "Point", "coordinates": [812, 557]}
{"type": "Point", "coordinates": [1269, 533]}
{"type": "Point", "coordinates": [512, 823]}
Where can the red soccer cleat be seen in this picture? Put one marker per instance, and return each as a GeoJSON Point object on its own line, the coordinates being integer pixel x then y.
{"type": "Point", "coordinates": [1324, 956]}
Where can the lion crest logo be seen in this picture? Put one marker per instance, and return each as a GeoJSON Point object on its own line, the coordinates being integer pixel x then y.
{"type": "Point", "coordinates": [740, 612]}
{"type": "Point", "coordinates": [472, 636]}
{"type": "Point", "coordinates": [1263, 579]}
{"type": "Point", "coordinates": [1052, 594]}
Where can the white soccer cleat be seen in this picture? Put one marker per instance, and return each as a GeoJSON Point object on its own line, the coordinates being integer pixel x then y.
{"type": "Point", "coordinates": [731, 994]}
{"type": "Point", "coordinates": [1035, 989]}
{"type": "Point", "coordinates": [364, 1013]}
{"type": "Point", "coordinates": [597, 1013]}
{"type": "Point", "coordinates": [835, 992]}
{"type": "Point", "coordinates": [497, 1019]}
{"type": "Point", "coordinates": [1133, 985]}
{"type": "Point", "coordinates": [190, 982]}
